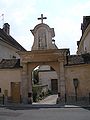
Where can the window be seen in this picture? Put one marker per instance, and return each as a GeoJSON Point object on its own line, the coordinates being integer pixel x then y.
{"type": "Point", "coordinates": [0, 90]}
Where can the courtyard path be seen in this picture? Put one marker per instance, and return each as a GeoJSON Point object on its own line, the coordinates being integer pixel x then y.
{"type": "Point", "coordinates": [49, 100]}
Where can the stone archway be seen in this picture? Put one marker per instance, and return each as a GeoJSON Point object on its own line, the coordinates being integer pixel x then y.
{"type": "Point", "coordinates": [30, 59]}
{"type": "Point", "coordinates": [43, 52]}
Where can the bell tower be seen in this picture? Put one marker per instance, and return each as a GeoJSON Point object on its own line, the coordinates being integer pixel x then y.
{"type": "Point", "coordinates": [43, 35]}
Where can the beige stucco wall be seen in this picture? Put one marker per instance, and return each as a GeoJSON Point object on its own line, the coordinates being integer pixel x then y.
{"type": "Point", "coordinates": [7, 51]}
{"type": "Point", "coordinates": [87, 43]}
{"type": "Point", "coordinates": [7, 76]}
{"type": "Point", "coordinates": [45, 78]}
{"type": "Point", "coordinates": [82, 73]}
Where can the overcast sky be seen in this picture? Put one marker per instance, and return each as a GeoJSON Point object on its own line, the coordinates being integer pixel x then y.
{"type": "Point", "coordinates": [65, 16]}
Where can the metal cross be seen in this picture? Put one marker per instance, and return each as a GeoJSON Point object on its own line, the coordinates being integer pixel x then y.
{"type": "Point", "coordinates": [42, 18]}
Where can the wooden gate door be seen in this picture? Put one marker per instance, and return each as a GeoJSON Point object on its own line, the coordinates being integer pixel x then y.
{"type": "Point", "coordinates": [15, 92]}
{"type": "Point", "coordinates": [54, 86]}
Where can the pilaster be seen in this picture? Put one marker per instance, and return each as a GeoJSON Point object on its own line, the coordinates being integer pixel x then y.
{"type": "Point", "coordinates": [24, 83]}
{"type": "Point", "coordinates": [61, 82]}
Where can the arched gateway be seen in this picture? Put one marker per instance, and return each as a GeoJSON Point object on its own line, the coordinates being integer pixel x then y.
{"type": "Point", "coordinates": [44, 52]}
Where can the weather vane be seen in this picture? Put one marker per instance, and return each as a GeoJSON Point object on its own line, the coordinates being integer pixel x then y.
{"type": "Point", "coordinates": [2, 16]}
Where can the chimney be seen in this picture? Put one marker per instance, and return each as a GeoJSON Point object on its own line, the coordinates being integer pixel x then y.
{"type": "Point", "coordinates": [6, 28]}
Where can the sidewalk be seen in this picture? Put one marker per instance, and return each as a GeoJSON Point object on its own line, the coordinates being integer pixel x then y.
{"type": "Point", "coordinates": [48, 102]}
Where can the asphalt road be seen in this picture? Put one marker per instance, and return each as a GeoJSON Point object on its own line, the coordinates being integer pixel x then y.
{"type": "Point", "coordinates": [45, 114]}
{"type": "Point", "coordinates": [44, 110]}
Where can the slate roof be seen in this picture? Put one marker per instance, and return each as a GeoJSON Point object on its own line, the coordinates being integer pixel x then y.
{"type": "Point", "coordinates": [78, 59]}
{"type": "Point", "coordinates": [10, 63]}
{"type": "Point", "coordinates": [75, 59]}
{"type": "Point", "coordinates": [10, 40]}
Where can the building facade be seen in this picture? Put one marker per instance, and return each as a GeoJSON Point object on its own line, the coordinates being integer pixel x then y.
{"type": "Point", "coordinates": [84, 42]}
{"type": "Point", "coordinates": [10, 69]}
{"type": "Point", "coordinates": [77, 67]}
{"type": "Point", "coordinates": [65, 74]}
{"type": "Point", "coordinates": [8, 45]}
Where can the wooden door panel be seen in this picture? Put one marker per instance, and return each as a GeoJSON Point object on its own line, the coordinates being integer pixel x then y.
{"type": "Point", "coordinates": [54, 85]}
{"type": "Point", "coordinates": [15, 92]}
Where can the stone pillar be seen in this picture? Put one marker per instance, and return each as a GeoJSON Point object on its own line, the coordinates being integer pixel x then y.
{"type": "Point", "coordinates": [30, 100]}
{"type": "Point", "coordinates": [24, 83]}
{"type": "Point", "coordinates": [62, 79]}
{"type": "Point", "coordinates": [61, 83]}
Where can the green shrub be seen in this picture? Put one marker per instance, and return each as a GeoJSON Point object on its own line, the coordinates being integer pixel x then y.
{"type": "Point", "coordinates": [36, 92]}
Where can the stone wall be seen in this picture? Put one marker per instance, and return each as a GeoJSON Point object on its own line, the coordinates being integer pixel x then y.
{"type": "Point", "coordinates": [7, 76]}
{"type": "Point", "coordinates": [82, 73]}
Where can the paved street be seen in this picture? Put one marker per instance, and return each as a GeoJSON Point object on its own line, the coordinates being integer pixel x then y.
{"type": "Point", "coordinates": [44, 110]}
{"type": "Point", "coordinates": [45, 114]}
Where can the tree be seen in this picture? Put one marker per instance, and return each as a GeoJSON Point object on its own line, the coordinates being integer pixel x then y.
{"type": "Point", "coordinates": [35, 76]}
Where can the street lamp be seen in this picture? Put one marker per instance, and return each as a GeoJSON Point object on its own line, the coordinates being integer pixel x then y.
{"type": "Point", "coordinates": [75, 83]}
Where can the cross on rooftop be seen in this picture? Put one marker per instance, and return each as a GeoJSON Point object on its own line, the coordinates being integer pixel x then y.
{"type": "Point", "coordinates": [42, 18]}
